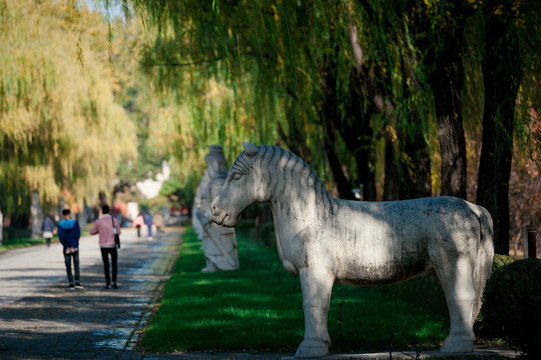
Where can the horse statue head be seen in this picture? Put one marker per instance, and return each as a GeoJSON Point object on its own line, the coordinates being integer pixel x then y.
{"type": "Point", "coordinates": [241, 189]}
{"type": "Point", "coordinates": [270, 174]}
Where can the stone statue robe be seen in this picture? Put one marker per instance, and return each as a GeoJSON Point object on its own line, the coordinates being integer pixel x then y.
{"type": "Point", "coordinates": [219, 242]}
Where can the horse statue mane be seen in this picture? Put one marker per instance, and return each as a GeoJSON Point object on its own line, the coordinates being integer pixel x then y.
{"type": "Point", "coordinates": [278, 173]}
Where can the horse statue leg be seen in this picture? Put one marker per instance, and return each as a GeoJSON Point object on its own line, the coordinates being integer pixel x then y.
{"type": "Point", "coordinates": [460, 293]}
{"type": "Point", "coordinates": [316, 293]}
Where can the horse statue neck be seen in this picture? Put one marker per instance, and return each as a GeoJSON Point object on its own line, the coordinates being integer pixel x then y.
{"type": "Point", "coordinates": [291, 186]}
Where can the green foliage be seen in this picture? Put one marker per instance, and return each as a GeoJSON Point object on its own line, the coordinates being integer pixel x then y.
{"type": "Point", "coordinates": [244, 224]}
{"type": "Point", "coordinates": [273, 69]}
{"type": "Point", "coordinates": [59, 126]}
{"type": "Point", "coordinates": [8, 244]}
{"type": "Point", "coordinates": [501, 260]}
{"type": "Point", "coordinates": [424, 292]}
{"type": "Point", "coordinates": [512, 305]}
{"type": "Point", "coordinates": [267, 234]}
{"type": "Point", "coordinates": [259, 306]}
{"type": "Point", "coordinates": [181, 186]}
{"type": "Point", "coordinates": [186, 222]}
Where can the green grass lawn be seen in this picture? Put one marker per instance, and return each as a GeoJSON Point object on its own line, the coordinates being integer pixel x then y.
{"type": "Point", "coordinates": [23, 242]}
{"type": "Point", "coordinates": [260, 307]}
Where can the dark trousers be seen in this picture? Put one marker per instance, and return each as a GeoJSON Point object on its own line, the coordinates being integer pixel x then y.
{"type": "Point", "coordinates": [105, 257]}
{"type": "Point", "coordinates": [67, 259]}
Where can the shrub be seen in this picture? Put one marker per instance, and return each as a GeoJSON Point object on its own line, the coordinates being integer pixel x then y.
{"type": "Point", "coordinates": [422, 291]}
{"type": "Point", "coordinates": [267, 234]}
{"type": "Point", "coordinates": [512, 305]}
{"type": "Point", "coordinates": [186, 222]}
{"type": "Point", "coordinates": [501, 260]}
{"type": "Point", "coordinates": [245, 224]}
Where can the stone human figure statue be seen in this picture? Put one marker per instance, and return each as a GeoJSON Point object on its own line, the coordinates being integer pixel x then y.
{"type": "Point", "coordinates": [219, 243]}
{"type": "Point", "coordinates": [197, 206]}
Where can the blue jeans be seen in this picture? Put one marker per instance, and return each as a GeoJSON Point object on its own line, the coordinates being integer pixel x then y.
{"type": "Point", "coordinates": [67, 259]}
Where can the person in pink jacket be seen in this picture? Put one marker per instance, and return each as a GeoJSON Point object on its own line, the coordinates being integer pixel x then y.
{"type": "Point", "coordinates": [106, 226]}
{"type": "Point", "coordinates": [138, 223]}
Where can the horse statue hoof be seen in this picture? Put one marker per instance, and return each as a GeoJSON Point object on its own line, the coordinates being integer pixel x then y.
{"type": "Point", "coordinates": [312, 350]}
{"type": "Point", "coordinates": [457, 345]}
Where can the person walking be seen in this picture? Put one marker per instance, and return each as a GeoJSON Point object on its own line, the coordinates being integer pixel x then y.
{"type": "Point", "coordinates": [48, 229]}
{"type": "Point", "coordinates": [148, 222]}
{"type": "Point", "coordinates": [158, 222]}
{"type": "Point", "coordinates": [69, 234]}
{"type": "Point", "coordinates": [107, 226]}
{"type": "Point", "coordinates": [137, 223]}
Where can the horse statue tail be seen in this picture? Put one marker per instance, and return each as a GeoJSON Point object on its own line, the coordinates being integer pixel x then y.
{"type": "Point", "coordinates": [485, 257]}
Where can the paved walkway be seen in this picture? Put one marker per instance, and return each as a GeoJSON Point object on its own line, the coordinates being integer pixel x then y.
{"type": "Point", "coordinates": [41, 319]}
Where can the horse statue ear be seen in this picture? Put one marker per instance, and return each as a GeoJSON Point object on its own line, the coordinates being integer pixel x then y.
{"type": "Point", "coordinates": [250, 149]}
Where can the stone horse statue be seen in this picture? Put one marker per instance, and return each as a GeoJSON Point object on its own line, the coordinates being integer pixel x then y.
{"type": "Point", "coordinates": [324, 240]}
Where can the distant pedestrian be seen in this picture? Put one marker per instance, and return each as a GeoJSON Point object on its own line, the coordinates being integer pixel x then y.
{"type": "Point", "coordinates": [48, 229]}
{"type": "Point", "coordinates": [69, 234]}
{"type": "Point", "coordinates": [106, 226]}
{"type": "Point", "coordinates": [148, 223]}
{"type": "Point", "coordinates": [158, 222]}
{"type": "Point", "coordinates": [137, 223]}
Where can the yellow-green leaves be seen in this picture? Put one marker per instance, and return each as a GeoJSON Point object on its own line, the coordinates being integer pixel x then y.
{"type": "Point", "coordinates": [60, 127]}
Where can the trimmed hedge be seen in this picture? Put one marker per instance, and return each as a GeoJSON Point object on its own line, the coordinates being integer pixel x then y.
{"type": "Point", "coordinates": [512, 305]}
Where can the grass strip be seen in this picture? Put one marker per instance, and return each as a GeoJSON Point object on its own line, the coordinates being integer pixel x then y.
{"type": "Point", "coordinates": [23, 242]}
{"type": "Point", "coordinates": [259, 307]}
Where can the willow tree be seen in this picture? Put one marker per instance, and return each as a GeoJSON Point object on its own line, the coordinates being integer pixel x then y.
{"type": "Point", "coordinates": [59, 126]}
{"type": "Point", "coordinates": [512, 37]}
{"type": "Point", "coordinates": [322, 76]}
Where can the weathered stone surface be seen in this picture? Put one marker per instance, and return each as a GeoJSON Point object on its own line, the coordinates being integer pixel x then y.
{"type": "Point", "coordinates": [325, 240]}
{"type": "Point", "coordinates": [219, 243]}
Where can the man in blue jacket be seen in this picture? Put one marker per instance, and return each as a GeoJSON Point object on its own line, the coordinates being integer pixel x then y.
{"type": "Point", "coordinates": [69, 234]}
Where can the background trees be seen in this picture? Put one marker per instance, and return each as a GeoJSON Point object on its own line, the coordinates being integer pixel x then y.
{"type": "Point", "coordinates": [367, 87]}
{"type": "Point", "coordinates": [395, 96]}
{"type": "Point", "coordinates": [60, 128]}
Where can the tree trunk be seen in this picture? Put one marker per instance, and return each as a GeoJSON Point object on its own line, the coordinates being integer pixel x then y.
{"type": "Point", "coordinates": [357, 131]}
{"type": "Point", "coordinates": [501, 77]}
{"type": "Point", "coordinates": [342, 184]}
{"type": "Point", "coordinates": [37, 216]}
{"type": "Point", "coordinates": [446, 83]}
{"type": "Point", "coordinates": [295, 139]}
{"type": "Point", "coordinates": [329, 118]}
{"type": "Point", "coordinates": [391, 187]}
{"type": "Point", "coordinates": [82, 216]}
{"type": "Point", "coordinates": [416, 180]}
{"type": "Point", "coordinates": [1, 227]}
{"type": "Point", "coordinates": [414, 154]}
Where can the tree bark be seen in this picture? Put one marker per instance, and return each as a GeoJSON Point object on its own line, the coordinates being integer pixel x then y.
{"type": "Point", "coordinates": [446, 84]}
{"type": "Point", "coordinates": [342, 184]}
{"type": "Point", "coordinates": [37, 216]}
{"type": "Point", "coordinates": [330, 117]}
{"type": "Point", "coordinates": [1, 227]}
{"type": "Point", "coordinates": [416, 180]}
{"type": "Point", "coordinates": [391, 187]}
{"type": "Point", "coordinates": [357, 130]}
{"type": "Point", "coordinates": [501, 77]}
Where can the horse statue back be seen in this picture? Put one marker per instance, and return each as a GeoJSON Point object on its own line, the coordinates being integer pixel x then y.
{"type": "Point", "coordinates": [325, 240]}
